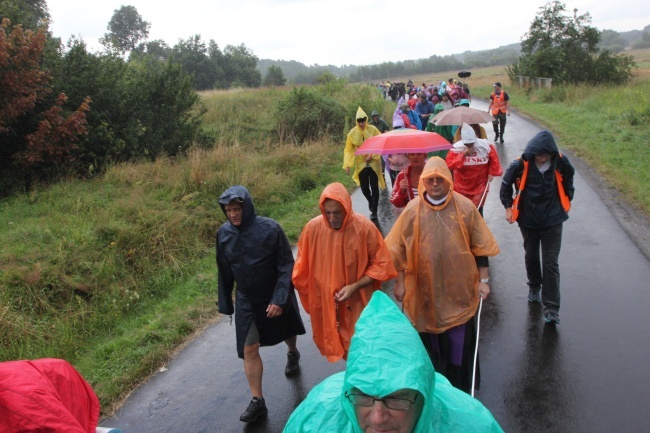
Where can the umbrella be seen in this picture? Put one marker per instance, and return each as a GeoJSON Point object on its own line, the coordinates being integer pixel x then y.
{"type": "Point", "coordinates": [460, 115]}
{"type": "Point", "coordinates": [403, 141]}
{"type": "Point", "coordinates": [464, 74]}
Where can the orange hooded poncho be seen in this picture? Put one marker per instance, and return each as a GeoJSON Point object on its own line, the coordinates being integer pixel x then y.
{"type": "Point", "coordinates": [436, 247]}
{"type": "Point", "coordinates": [330, 259]}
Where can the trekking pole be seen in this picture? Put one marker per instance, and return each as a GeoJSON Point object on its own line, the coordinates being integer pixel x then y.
{"type": "Point", "coordinates": [480, 203]}
{"type": "Point", "coordinates": [478, 330]}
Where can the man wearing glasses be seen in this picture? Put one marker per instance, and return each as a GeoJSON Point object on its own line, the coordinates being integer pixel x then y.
{"type": "Point", "coordinates": [389, 386]}
{"type": "Point", "coordinates": [440, 246]}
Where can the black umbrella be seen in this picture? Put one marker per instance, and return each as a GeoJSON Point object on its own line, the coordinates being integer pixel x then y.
{"type": "Point", "coordinates": [464, 74]}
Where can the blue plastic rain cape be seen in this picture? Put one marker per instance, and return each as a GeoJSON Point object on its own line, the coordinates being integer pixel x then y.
{"type": "Point", "coordinates": [386, 355]}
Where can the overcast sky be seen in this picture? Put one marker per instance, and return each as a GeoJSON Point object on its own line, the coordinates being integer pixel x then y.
{"type": "Point", "coordinates": [338, 32]}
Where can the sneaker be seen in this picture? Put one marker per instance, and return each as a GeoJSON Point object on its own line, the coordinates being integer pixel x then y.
{"type": "Point", "coordinates": [292, 363]}
{"type": "Point", "coordinates": [552, 318]}
{"type": "Point", "coordinates": [534, 295]}
{"type": "Point", "coordinates": [256, 409]}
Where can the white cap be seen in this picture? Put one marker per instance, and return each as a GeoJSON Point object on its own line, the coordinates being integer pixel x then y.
{"type": "Point", "coordinates": [467, 134]}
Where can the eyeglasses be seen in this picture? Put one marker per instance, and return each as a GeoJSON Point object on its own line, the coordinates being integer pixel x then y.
{"type": "Point", "coordinates": [432, 180]}
{"type": "Point", "coordinates": [394, 403]}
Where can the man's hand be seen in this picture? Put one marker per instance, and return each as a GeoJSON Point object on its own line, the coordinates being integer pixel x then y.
{"type": "Point", "coordinates": [509, 215]}
{"type": "Point", "coordinates": [345, 293]}
{"type": "Point", "coordinates": [347, 170]}
{"type": "Point", "coordinates": [368, 158]}
{"type": "Point", "coordinates": [404, 184]}
{"type": "Point", "coordinates": [273, 311]}
{"type": "Point", "coordinates": [483, 290]}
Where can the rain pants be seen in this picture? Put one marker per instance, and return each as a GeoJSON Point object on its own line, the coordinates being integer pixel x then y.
{"type": "Point", "coordinates": [330, 259]}
{"type": "Point", "coordinates": [471, 172]}
{"type": "Point", "coordinates": [258, 258]}
{"type": "Point", "coordinates": [387, 355]}
{"type": "Point", "coordinates": [46, 395]}
{"type": "Point", "coordinates": [356, 137]}
{"type": "Point", "coordinates": [436, 247]}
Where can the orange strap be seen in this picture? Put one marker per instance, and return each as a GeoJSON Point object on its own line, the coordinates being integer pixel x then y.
{"type": "Point", "coordinates": [521, 183]}
{"type": "Point", "coordinates": [520, 188]}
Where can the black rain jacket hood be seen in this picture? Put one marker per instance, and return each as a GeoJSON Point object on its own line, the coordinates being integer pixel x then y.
{"type": "Point", "coordinates": [257, 257]}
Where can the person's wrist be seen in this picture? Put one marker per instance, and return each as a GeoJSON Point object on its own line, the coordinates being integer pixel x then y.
{"type": "Point", "coordinates": [485, 280]}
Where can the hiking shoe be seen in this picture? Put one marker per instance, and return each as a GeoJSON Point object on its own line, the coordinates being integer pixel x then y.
{"type": "Point", "coordinates": [256, 409]}
{"type": "Point", "coordinates": [534, 295]}
{"type": "Point", "coordinates": [552, 318]}
{"type": "Point", "coordinates": [373, 216]}
{"type": "Point", "coordinates": [292, 363]}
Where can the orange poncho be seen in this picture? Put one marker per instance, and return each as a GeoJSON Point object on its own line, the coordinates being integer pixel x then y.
{"type": "Point", "coordinates": [330, 259]}
{"type": "Point", "coordinates": [436, 247]}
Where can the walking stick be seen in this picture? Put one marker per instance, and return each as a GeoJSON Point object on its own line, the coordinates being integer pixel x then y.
{"type": "Point", "coordinates": [478, 330]}
{"type": "Point", "coordinates": [480, 203]}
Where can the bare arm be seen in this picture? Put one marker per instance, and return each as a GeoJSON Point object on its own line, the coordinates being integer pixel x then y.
{"type": "Point", "coordinates": [348, 290]}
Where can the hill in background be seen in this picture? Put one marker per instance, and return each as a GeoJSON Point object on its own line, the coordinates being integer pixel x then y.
{"type": "Point", "coordinates": [299, 73]}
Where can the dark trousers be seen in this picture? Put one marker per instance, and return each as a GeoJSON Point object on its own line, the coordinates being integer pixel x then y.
{"type": "Point", "coordinates": [544, 275]}
{"type": "Point", "coordinates": [370, 187]}
{"type": "Point", "coordinates": [500, 120]}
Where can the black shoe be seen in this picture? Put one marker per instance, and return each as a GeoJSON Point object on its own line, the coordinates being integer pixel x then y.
{"type": "Point", "coordinates": [292, 363]}
{"type": "Point", "coordinates": [501, 139]}
{"type": "Point", "coordinates": [552, 317]}
{"type": "Point", "coordinates": [373, 216]}
{"type": "Point", "coordinates": [534, 296]}
{"type": "Point", "coordinates": [256, 409]}
{"type": "Point", "coordinates": [496, 137]}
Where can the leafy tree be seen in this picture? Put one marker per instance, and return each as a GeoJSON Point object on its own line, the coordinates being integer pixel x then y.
{"type": "Point", "coordinates": [142, 108]}
{"type": "Point", "coordinates": [37, 133]}
{"type": "Point", "coordinates": [565, 48]}
{"type": "Point", "coordinates": [612, 40]}
{"type": "Point", "coordinates": [126, 29]}
{"type": "Point", "coordinates": [192, 54]}
{"type": "Point", "coordinates": [32, 14]}
{"type": "Point", "coordinates": [239, 64]}
{"type": "Point", "coordinates": [644, 42]}
{"type": "Point", "coordinates": [274, 77]}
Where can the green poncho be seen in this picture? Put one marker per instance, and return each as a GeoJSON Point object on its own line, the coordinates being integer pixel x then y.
{"type": "Point", "coordinates": [386, 354]}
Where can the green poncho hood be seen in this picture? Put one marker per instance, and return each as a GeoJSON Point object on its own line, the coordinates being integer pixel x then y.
{"type": "Point", "coordinates": [386, 354]}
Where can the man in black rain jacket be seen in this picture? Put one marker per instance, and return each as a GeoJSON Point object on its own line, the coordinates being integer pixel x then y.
{"type": "Point", "coordinates": [254, 253]}
{"type": "Point", "coordinates": [543, 206]}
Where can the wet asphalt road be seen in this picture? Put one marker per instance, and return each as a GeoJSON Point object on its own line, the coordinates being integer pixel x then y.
{"type": "Point", "coordinates": [589, 374]}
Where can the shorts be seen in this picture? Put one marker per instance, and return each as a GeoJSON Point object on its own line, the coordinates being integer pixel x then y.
{"type": "Point", "coordinates": [253, 336]}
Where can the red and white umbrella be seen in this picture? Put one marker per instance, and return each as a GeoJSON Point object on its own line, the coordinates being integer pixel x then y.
{"type": "Point", "coordinates": [403, 141]}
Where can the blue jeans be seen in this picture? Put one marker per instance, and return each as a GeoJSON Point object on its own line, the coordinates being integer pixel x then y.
{"type": "Point", "coordinates": [544, 275]}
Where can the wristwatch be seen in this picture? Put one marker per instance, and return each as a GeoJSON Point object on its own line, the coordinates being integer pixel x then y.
{"type": "Point", "coordinates": [485, 280]}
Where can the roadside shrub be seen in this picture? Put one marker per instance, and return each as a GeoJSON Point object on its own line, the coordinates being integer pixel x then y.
{"type": "Point", "coordinates": [306, 115]}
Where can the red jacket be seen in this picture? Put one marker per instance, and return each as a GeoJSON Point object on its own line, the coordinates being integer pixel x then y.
{"type": "Point", "coordinates": [45, 395]}
{"type": "Point", "coordinates": [471, 172]}
{"type": "Point", "coordinates": [400, 198]}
